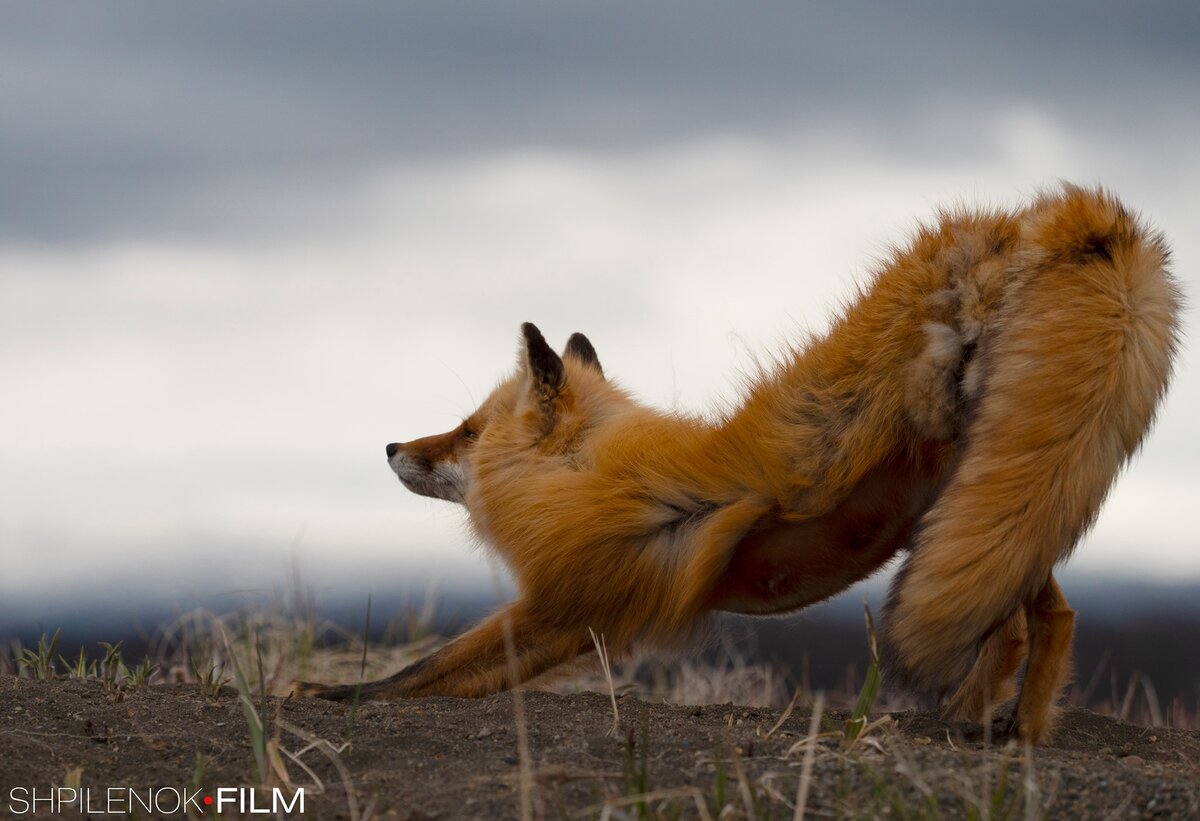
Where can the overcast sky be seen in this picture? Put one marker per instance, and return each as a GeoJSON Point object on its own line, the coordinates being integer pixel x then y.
{"type": "Point", "coordinates": [244, 247]}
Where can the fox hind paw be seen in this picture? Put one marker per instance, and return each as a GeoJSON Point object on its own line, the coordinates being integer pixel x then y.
{"type": "Point", "coordinates": [308, 689]}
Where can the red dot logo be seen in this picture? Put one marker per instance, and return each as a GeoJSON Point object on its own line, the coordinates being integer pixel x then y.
{"type": "Point", "coordinates": [208, 799]}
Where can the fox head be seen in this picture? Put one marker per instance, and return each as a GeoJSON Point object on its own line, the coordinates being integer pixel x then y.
{"type": "Point", "coordinates": [541, 409]}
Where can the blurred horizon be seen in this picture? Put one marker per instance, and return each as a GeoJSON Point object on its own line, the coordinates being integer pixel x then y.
{"type": "Point", "coordinates": [243, 249]}
{"type": "Point", "coordinates": [1126, 632]}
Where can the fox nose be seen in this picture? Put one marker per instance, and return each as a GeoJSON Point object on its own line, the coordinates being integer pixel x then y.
{"type": "Point", "coordinates": [391, 449]}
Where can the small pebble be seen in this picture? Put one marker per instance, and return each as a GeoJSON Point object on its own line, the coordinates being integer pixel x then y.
{"type": "Point", "coordinates": [484, 733]}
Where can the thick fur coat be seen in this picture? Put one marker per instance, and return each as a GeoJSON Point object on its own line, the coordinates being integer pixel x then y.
{"type": "Point", "coordinates": [969, 410]}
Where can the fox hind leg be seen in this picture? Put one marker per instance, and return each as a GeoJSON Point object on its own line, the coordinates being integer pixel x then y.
{"type": "Point", "coordinates": [992, 680]}
{"type": "Point", "coordinates": [1040, 631]}
{"type": "Point", "coordinates": [1051, 626]}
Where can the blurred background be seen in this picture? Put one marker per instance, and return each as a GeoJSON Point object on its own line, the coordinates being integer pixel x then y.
{"type": "Point", "coordinates": [243, 248]}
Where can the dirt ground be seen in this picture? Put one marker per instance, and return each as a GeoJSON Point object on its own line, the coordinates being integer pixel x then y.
{"type": "Point", "coordinates": [449, 758]}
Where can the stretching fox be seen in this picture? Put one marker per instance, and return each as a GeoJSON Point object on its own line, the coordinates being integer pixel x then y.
{"type": "Point", "coordinates": [971, 408]}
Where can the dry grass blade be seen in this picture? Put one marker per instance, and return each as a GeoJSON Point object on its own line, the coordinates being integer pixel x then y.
{"type": "Point", "coordinates": [745, 790]}
{"type": "Point", "coordinates": [331, 753]}
{"type": "Point", "coordinates": [1084, 698]}
{"type": "Point", "coordinates": [362, 665]}
{"type": "Point", "coordinates": [606, 809]}
{"type": "Point", "coordinates": [1122, 810]}
{"type": "Point", "coordinates": [786, 714]}
{"type": "Point", "coordinates": [523, 757]}
{"type": "Point", "coordinates": [767, 783]}
{"type": "Point", "coordinates": [908, 768]}
{"type": "Point", "coordinates": [1156, 719]}
{"type": "Point", "coordinates": [525, 761]}
{"type": "Point", "coordinates": [317, 786]}
{"type": "Point", "coordinates": [1032, 811]}
{"type": "Point", "coordinates": [1130, 692]}
{"type": "Point", "coordinates": [606, 667]}
{"type": "Point", "coordinates": [810, 754]}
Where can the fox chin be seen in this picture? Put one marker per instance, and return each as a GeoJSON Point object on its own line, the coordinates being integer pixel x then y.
{"type": "Point", "coordinates": [969, 412]}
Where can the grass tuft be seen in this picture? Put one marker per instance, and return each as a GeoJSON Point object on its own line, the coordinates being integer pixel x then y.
{"type": "Point", "coordinates": [40, 662]}
{"type": "Point", "coordinates": [857, 723]}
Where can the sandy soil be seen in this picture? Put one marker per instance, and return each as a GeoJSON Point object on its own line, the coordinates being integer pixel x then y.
{"type": "Point", "coordinates": [449, 758]}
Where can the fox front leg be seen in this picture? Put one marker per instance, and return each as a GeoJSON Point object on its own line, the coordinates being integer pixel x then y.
{"type": "Point", "coordinates": [480, 662]}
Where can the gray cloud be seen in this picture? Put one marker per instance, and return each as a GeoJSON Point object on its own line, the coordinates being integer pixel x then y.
{"type": "Point", "coordinates": [123, 120]}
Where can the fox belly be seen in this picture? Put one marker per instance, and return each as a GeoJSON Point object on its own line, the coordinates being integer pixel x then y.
{"type": "Point", "coordinates": [782, 565]}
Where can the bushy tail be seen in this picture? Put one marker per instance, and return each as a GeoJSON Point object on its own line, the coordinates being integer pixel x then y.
{"type": "Point", "coordinates": [1073, 370]}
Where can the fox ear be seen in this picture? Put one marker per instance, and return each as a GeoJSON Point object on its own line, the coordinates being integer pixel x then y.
{"type": "Point", "coordinates": [545, 368]}
{"type": "Point", "coordinates": [578, 347]}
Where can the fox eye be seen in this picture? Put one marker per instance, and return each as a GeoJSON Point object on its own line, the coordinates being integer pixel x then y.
{"type": "Point", "coordinates": [467, 433]}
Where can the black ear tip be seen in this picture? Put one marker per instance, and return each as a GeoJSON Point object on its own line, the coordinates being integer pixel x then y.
{"type": "Point", "coordinates": [534, 341]}
{"type": "Point", "coordinates": [580, 347]}
{"type": "Point", "coordinates": [544, 364]}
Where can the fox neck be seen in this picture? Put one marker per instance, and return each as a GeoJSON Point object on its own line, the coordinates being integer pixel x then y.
{"type": "Point", "coordinates": [632, 473]}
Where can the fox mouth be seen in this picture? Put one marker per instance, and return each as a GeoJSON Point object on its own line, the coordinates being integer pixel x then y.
{"type": "Point", "coordinates": [444, 480]}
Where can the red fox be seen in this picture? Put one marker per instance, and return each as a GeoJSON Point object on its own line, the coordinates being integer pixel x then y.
{"type": "Point", "coordinates": [970, 409]}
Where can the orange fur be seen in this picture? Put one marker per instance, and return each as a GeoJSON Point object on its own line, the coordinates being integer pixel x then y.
{"type": "Point", "coordinates": [992, 680]}
{"type": "Point", "coordinates": [1051, 625]}
{"type": "Point", "coordinates": [972, 406]}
